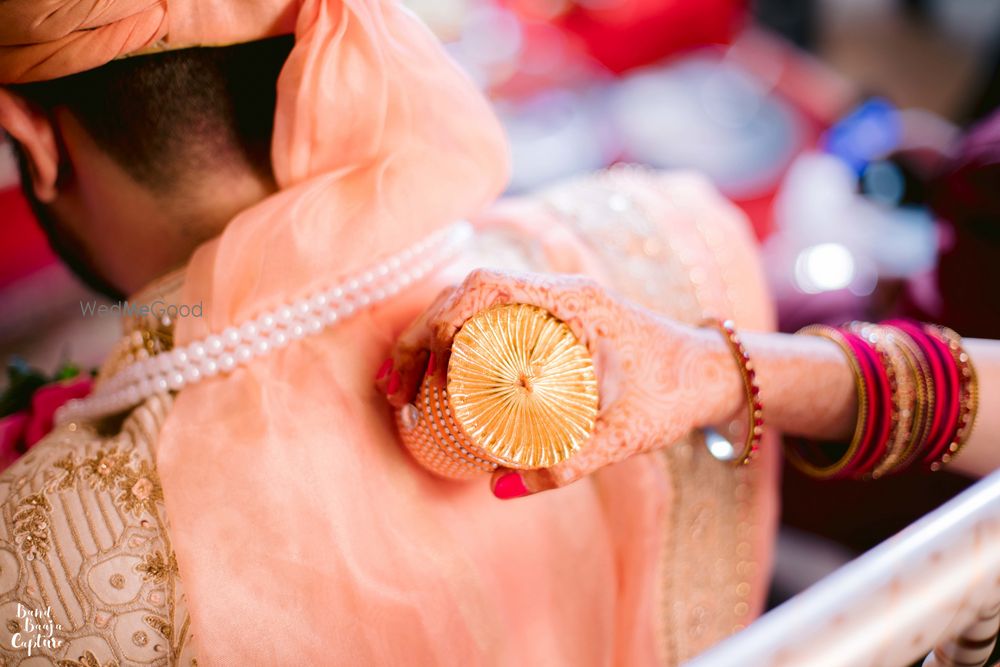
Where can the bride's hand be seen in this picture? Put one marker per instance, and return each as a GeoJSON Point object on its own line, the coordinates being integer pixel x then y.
{"type": "Point", "coordinates": [657, 378]}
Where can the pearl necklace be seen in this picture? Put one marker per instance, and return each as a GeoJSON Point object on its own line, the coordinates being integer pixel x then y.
{"type": "Point", "coordinates": [223, 352]}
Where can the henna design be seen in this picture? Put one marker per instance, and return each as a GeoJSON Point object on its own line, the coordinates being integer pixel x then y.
{"type": "Point", "coordinates": [658, 379]}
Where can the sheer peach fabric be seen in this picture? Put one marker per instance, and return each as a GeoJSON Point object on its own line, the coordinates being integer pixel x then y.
{"type": "Point", "coordinates": [304, 535]}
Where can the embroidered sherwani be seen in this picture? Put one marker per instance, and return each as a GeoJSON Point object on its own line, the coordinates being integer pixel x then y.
{"type": "Point", "coordinates": [665, 554]}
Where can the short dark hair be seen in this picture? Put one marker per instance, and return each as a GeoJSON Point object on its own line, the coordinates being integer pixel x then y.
{"type": "Point", "coordinates": [169, 115]}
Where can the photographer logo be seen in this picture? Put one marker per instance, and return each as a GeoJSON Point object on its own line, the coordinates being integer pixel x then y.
{"type": "Point", "coordinates": [35, 630]}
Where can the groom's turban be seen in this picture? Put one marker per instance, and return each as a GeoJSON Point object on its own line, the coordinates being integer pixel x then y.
{"type": "Point", "coordinates": [47, 39]}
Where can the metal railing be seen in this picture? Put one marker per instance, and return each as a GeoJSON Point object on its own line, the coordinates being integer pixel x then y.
{"type": "Point", "coordinates": [934, 587]}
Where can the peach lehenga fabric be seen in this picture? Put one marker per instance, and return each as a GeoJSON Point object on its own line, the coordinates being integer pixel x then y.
{"type": "Point", "coordinates": [303, 533]}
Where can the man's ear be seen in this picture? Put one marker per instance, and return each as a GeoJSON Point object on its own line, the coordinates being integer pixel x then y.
{"type": "Point", "coordinates": [33, 130]}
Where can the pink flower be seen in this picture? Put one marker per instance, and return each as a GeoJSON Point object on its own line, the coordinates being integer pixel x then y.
{"type": "Point", "coordinates": [21, 430]}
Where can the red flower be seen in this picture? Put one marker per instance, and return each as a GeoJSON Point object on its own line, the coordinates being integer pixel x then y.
{"type": "Point", "coordinates": [21, 430]}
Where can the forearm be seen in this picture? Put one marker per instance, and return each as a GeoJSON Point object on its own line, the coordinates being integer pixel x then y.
{"type": "Point", "coordinates": [806, 385]}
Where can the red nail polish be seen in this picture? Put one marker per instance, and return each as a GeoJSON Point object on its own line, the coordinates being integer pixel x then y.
{"type": "Point", "coordinates": [384, 369]}
{"type": "Point", "coordinates": [393, 386]}
{"type": "Point", "coordinates": [510, 486]}
{"type": "Point", "coordinates": [431, 364]}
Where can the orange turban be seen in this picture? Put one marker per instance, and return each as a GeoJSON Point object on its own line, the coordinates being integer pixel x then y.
{"type": "Point", "coordinates": [47, 39]}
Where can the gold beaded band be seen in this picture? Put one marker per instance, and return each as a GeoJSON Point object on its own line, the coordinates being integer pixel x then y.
{"type": "Point", "coordinates": [755, 409]}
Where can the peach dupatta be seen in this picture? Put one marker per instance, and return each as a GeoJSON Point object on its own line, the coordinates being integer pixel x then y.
{"type": "Point", "coordinates": [304, 534]}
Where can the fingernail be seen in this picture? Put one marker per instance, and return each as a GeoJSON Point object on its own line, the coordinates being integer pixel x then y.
{"type": "Point", "coordinates": [384, 369]}
{"type": "Point", "coordinates": [393, 385]}
{"type": "Point", "coordinates": [510, 486]}
{"type": "Point", "coordinates": [430, 364]}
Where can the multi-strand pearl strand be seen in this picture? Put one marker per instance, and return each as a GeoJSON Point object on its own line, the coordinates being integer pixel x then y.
{"type": "Point", "coordinates": [221, 353]}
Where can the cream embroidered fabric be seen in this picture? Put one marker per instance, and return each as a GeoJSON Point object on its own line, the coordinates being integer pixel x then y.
{"type": "Point", "coordinates": [84, 533]}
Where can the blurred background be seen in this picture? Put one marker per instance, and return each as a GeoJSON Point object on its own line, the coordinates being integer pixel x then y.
{"type": "Point", "coordinates": [857, 136]}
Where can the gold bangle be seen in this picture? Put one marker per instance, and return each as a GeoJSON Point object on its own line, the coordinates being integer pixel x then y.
{"type": "Point", "coordinates": [923, 412]}
{"type": "Point", "coordinates": [793, 454]}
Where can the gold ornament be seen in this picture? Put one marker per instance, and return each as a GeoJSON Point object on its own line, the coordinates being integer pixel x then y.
{"type": "Point", "coordinates": [521, 393]}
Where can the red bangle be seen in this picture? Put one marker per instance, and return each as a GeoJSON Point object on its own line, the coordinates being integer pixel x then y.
{"type": "Point", "coordinates": [873, 447]}
{"type": "Point", "coordinates": [755, 409]}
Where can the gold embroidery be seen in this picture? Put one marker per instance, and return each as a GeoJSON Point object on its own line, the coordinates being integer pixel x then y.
{"type": "Point", "coordinates": [13, 626]}
{"type": "Point", "coordinates": [88, 659]}
{"type": "Point", "coordinates": [140, 638]}
{"type": "Point", "coordinates": [154, 567]}
{"type": "Point", "coordinates": [159, 625]}
{"type": "Point", "coordinates": [140, 489]}
{"type": "Point", "coordinates": [68, 465]}
{"type": "Point", "coordinates": [105, 504]}
{"type": "Point", "coordinates": [104, 469]}
{"type": "Point", "coordinates": [31, 526]}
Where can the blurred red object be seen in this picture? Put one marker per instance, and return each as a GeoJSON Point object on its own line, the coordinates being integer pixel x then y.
{"type": "Point", "coordinates": [624, 34]}
{"type": "Point", "coordinates": [24, 249]}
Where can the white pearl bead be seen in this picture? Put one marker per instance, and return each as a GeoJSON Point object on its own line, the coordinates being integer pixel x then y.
{"type": "Point", "coordinates": [213, 344]}
{"type": "Point", "coordinates": [284, 315]}
{"type": "Point", "coordinates": [330, 316]}
{"type": "Point", "coordinates": [265, 323]}
{"type": "Point", "coordinates": [353, 285]}
{"type": "Point", "coordinates": [296, 331]}
{"type": "Point", "coordinates": [261, 347]}
{"type": "Point", "coordinates": [175, 381]}
{"type": "Point", "coordinates": [393, 263]}
{"type": "Point", "coordinates": [367, 278]}
{"type": "Point", "coordinates": [248, 331]}
{"type": "Point", "coordinates": [345, 310]}
{"type": "Point", "coordinates": [319, 301]}
{"type": "Point", "coordinates": [163, 362]}
{"type": "Point", "coordinates": [302, 309]}
{"type": "Point", "coordinates": [362, 300]}
{"type": "Point", "coordinates": [378, 295]}
{"type": "Point", "coordinates": [243, 353]}
{"type": "Point", "coordinates": [180, 357]}
{"type": "Point", "coordinates": [192, 374]}
{"type": "Point", "coordinates": [197, 351]}
{"type": "Point", "coordinates": [336, 293]}
{"type": "Point", "coordinates": [209, 368]}
{"type": "Point", "coordinates": [278, 339]}
{"type": "Point", "coordinates": [313, 324]}
{"type": "Point", "coordinates": [231, 337]}
{"type": "Point", "coordinates": [382, 270]}
{"type": "Point", "coordinates": [160, 384]}
{"type": "Point", "coordinates": [226, 363]}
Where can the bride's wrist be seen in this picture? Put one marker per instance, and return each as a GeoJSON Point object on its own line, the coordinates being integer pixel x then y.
{"type": "Point", "coordinates": [721, 393]}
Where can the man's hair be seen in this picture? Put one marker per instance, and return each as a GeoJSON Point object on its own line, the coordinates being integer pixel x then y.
{"type": "Point", "coordinates": [171, 115]}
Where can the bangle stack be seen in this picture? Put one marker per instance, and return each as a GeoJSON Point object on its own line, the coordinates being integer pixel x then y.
{"type": "Point", "coordinates": [917, 399]}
